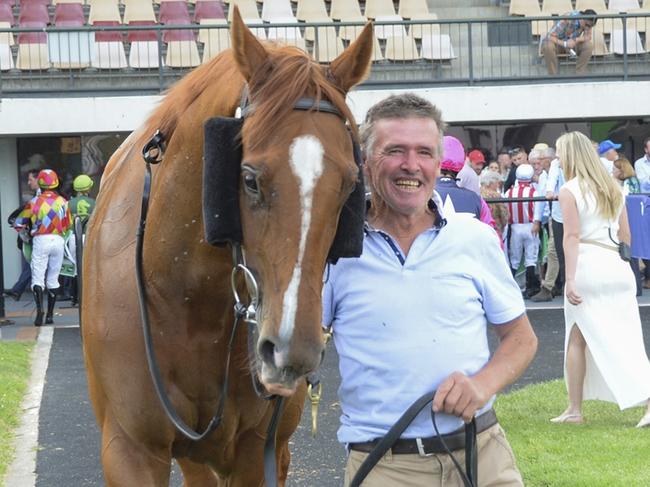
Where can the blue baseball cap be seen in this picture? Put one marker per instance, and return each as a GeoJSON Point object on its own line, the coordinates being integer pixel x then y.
{"type": "Point", "coordinates": [606, 145]}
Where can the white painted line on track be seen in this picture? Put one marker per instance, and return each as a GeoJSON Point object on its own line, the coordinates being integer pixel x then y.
{"type": "Point", "coordinates": [22, 471]}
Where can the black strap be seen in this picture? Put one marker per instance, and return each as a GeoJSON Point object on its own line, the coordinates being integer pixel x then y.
{"type": "Point", "coordinates": [270, 461]}
{"type": "Point", "coordinates": [386, 443]}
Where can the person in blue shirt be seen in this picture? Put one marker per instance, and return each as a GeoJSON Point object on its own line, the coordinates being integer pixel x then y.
{"type": "Point", "coordinates": [410, 316]}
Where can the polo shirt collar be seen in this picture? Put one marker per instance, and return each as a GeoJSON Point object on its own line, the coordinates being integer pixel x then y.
{"type": "Point", "coordinates": [434, 204]}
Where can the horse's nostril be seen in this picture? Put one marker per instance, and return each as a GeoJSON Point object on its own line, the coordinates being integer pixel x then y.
{"type": "Point", "coordinates": [267, 352]}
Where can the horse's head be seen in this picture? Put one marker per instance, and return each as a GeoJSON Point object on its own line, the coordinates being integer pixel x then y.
{"type": "Point", "coordinates": [297, 171]}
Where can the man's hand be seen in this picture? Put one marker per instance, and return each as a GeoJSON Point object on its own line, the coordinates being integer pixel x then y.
{"type": "Point", "coordinates": [535, 228]}
{"type": "Point", "coordinates": [461, 396]}
{"type": "Point", "coordinates": [571, 43]}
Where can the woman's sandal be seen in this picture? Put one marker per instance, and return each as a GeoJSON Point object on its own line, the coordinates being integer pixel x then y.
{"type": "Point", "coordinates": [573, 418]}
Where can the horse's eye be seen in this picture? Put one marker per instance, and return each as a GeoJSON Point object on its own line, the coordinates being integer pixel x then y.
{"type": "Point", "coordinates": [250, 183]}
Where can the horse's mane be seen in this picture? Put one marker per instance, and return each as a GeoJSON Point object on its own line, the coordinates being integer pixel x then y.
{"type": "Point", "coordinates": [287, 75]}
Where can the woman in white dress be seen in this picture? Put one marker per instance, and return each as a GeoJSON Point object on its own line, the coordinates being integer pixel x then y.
{"type": "Point", "coordinates": [605, 356]}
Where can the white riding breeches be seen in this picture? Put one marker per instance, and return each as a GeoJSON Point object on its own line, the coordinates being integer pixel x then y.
{"type": "Point", "coordinates": [523, 242]}
{"type": "Point", "coordinates": [47, 257]}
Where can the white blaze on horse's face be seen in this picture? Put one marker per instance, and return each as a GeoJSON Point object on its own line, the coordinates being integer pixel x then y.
{"type": "Point", "coordinates": [306, 162]}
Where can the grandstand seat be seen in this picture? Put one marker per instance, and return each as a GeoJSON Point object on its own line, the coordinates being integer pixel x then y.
{"type": "Point", "coordinates": [409, 9]}
{"type": "Point", "coordinates": [379, 7]}
{"type": "Point", "coordinates": [174, 12]}
{"type": "Point", "coordinates": [376, 51]}
{"type": "Point", "coordinates": [273, 9]}
{"type": "Point", "coordinates": [104, 10]}
{"type": "Point", "coordinates": [437, 48]}
{"type": "Point", "coordinates": [344, 10]}
{"type": "Point", "coordinates": [69, 15]}
{"type": "Point", "coordinates": [144, 52]}
{"type": "Point", "coordinates": [139, 10]}
{"type": "Point", "coordinates": [214, 40]}
{"type": "Point", "coordinates": [328, 46]}
{"type": "Point", "coordinates": [181, 51]}
{"type": "Point", "coordinates": [208, 9]}
{"type": "Point", "coordinates": [247, 9]}
{"type": "Point", "coordinates": [556, 7]}
{"type": "Point", "coordinates": [6, 41]}
{"type": "Point", "coordinates": [284, 32]}
{"type": "Point", "coordinates": [600, 47]}
{"type": "Point", "coordinates": [310, 32]}
{"type": "Point", "coordinates": [109, 48]}
{"type": "Point", "coordinates": [527, 8]}
{"type": "Point", "coordinates": [633, 42]}
{"type": "Point", "coordinates": [33, 12]}
{"type": "Point", "coordinates": [418, 31]}
{"type": "Point", "coordinates": [385, 31]}
{"type": "Point", "coordinates": [640, 24]}
{"type": "Point", "coordinates": [32, 48]}
{"type": "Point", "coordinates": [616, 6]}
{"type": "Point", "coordinates": [6, 14]}
{"type": "Point", "coordinates": [401, 48]}
{"type": "Point", "coordinates": [349, 32]}
{"type": "Point", "coordinates": [311, 11]}
{"type": "Point", "coordinates": [57, 2]}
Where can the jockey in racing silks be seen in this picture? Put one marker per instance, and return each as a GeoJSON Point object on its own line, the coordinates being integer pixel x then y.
{"type": "Point", "coordinates": [49, 218]}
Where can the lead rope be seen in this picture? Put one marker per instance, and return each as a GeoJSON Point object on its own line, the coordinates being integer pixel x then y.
{"type": "Point", "coordinates": [469, 477]}
{"type": "Point", "coordinates": [152, 154]}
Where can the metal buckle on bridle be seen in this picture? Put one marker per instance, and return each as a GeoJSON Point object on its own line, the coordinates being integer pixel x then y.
{"type": "Point", "coordinates": [153, 150]}
{"type": "Point", "coordinates": [246, 312]}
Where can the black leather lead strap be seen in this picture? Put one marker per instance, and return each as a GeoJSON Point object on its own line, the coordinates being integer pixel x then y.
{"type": "Point", "coordinates": [386, 443]}
{"type": "Point", "coordinates": [270, 462]}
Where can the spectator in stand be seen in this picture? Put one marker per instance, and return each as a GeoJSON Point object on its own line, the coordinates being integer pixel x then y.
{"type": "Point", "coordinates": [494, 167]}
{"type": "Point", "coordinates": [608, 154]}
{"type": "Point", "coordinates": [476, 161]}
{"type": "Point", "coordinates": [490, 184]}
{"type": "Point", "coordinates": [642, 167]}
{"type": "Point", "coordinates": [518, 156]}
{"type": "Point", "coordinates": [569, 36]}
{"type": "Point", "coordinates": [504, 161]}
{"type": "Point", "coordinates": [524, 228]}
{"type": "Point", "coordinates": [625, 176]}
{"type": "Point", "coordinates": [553, 184]}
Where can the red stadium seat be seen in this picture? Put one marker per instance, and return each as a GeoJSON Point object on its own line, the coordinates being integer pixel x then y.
{"type": "Point", "coordinates": [144, 51]}
{"type": "Point", "coordinates": [174, 13]}
{"type": "Point", "coordinates": [107, 35]}
{"type": "Point", "coordinates": [141, 35]}
{"type": "Point", "coordinates": [178, 35]}
{"type": "Point", "coordinates": [33, 12]}
{"type": "Point", "coordinates": [69, 15]}
{"type": "Point", "coordinates": [109, 48]}
{"type": "Point", "coordinates": [208, 9]}
{"type": "Point", "coordinates": [6, 14]}
{"type": "Point", "coordinates": [32, 48]}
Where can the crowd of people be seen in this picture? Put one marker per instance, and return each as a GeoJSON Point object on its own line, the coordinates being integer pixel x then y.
{"type": "Point", "coordinates": [46, 240]}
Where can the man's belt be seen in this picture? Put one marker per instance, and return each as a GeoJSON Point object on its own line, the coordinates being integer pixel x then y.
{"type": "Point", "coordinates": [430, 446]}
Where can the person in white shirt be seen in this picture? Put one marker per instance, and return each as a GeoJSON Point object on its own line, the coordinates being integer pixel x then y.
{"type": "Point", "coordinates": [642, 167]}
{"type": "Point", "coordinates": [607, 150]}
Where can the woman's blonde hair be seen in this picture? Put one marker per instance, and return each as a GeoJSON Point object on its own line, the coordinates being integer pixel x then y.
{"type": "Point", "coordinates": [626, 168]}
{"type": "Point", "coordinates": [579, 160]}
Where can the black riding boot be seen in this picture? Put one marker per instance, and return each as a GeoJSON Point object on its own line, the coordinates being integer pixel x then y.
{"type": "Point", "coordinates": [51, 300]}
{"type": "Point", "coordinates": [532, 282]}
{"type": "Point", "coordinates": [38, 298]}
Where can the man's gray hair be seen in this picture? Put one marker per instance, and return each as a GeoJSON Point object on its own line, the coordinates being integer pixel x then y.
{"type": "Point", "coordinates": [489, 177]}
{"type": "Point", "coordinates": [535, 154]}
{"type": "Point", "coordinates": [549, 152]}
{"type": "Point", "coordinates": [406, 105]}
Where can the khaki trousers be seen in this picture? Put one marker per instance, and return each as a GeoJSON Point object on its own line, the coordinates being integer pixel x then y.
{"type": "Point", "coordinates": [552, 263]}
{"type": "Point", "coordinates": [551, 51]}
{"type": "Point", "coordinates": [496, 466]}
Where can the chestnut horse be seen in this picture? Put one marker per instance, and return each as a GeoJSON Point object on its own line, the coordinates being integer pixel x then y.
{"type": "Point", "coordinates": [297, 171]}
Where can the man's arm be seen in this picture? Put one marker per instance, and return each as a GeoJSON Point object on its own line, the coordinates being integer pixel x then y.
{"type": "Point", "coordinates": [462, 396]}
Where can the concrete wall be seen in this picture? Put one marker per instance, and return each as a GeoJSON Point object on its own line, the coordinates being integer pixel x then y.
{"type": "Point", "coordinates": [560, 101]}
{"type": "Point", "coordinates": [9, 200]}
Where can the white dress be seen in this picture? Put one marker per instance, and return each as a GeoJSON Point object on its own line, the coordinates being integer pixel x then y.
{"type": "Point", "coordinates": [617, 369]}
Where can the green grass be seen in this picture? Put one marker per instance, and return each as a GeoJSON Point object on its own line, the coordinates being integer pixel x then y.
{"type": "Point", "coordinates": [14, 374]}
{"type": "Point", "coordinates": [606, 451]}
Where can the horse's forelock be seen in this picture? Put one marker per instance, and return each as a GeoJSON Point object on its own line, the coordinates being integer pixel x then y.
{"type": "Point", "coordinates": [288, 75]}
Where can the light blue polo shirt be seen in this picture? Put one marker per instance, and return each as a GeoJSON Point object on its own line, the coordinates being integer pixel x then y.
{"type": "Point", "coordinates": [400, 328]}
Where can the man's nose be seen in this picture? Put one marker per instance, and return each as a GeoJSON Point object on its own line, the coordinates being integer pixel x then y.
{"type": "Point", "coordinates": [410, 162]}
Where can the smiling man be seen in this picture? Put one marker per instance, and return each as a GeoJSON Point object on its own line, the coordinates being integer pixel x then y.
{"type": "Point", "coordinates": [410, 315]}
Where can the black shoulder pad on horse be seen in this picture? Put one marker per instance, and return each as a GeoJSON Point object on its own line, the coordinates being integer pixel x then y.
{"type": "Point", "coordinates": [222, 155]}
{"type": "Point", "coordinates": [348, 241]}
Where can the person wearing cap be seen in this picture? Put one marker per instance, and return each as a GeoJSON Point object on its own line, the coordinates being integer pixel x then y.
{"type": "Point", "coordinates": [525, 218]}
{"type": "Point", "coordinates": [82, 205]}
{"type": "Point", "coordinates": [49, 217]}
{"type": "Point", "coordinates": [476, 161]}
{"type": "Point", "coordinates": [454, 198]}
{"type": "Point", "coordinates": [569, 35]}
{"type": "Point", "coordinates": [409, 316]}
{"type": "Point", "coordinates": [607, 150]}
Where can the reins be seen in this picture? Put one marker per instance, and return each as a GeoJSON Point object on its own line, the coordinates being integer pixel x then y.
{"type": "Point", "coordinates": [469, 477]}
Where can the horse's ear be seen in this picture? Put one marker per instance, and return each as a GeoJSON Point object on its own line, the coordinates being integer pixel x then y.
{"type": "Point", "coordinates": [353, 65]}
{"type": "Point", "coordinates": [248, 51]}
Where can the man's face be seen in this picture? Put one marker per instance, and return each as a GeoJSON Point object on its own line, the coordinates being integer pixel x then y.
{"type": "Point", "coordinates": [504, 161]}
{"type": "Point", "coordinates": [586, 24]}
{"type": "Point", "coordinates": [404, 163]}
{"type": "Point", "coordinates": [32, 182]}
{"type": "Point", "coordinates": [537, 166]}
{"type": "Point", "coordinates": [520, 158]}
{"type": "Point", "coordinates": [477, 166]}
{"type": "Point", "coordinates": [546, 163]}
{"type": "Point", "coordinates": [647, 148]}
{"type": "Point", "coordinates": [611, 155]}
